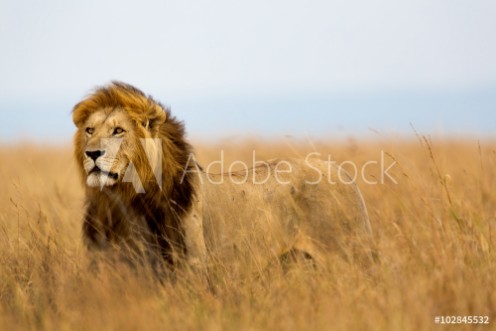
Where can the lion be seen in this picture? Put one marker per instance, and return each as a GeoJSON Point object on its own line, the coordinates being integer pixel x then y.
{"type": "Point", "coordinates": [149, 199]}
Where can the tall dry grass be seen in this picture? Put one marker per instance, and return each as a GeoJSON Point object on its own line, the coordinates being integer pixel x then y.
{"type": "Point", "coordinates": [434, 232]}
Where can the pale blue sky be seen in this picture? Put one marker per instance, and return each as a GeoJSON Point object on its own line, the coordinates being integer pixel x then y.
{"type": "Point", "coordinates": [324, 68]}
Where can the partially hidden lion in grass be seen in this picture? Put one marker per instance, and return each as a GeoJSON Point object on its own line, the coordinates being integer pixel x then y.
{"type": "Point", "coordinates": [147, 198]}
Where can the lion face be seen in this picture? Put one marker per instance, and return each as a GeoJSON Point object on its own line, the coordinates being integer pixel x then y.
{"type": "Point", "coordinates": [109, 142]}
{"type": "Point", "coordinates": [120, 136]}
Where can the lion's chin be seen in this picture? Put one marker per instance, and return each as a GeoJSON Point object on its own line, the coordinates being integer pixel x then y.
{"type": "Point", "coordinates": [101, 179]}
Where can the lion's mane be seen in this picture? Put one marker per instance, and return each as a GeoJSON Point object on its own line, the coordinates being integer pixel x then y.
{"type": "Point", "coordinates": [109, 211]}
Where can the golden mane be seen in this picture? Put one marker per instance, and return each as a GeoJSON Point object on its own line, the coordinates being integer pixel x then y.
{"type": "Point", "coordinates": [121, 95]}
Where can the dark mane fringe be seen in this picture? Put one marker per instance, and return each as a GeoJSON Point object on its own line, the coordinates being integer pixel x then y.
{"type": "Point", "coordinates": [175, 202]}
{"type": "Point", "coordinates": [163, 208]}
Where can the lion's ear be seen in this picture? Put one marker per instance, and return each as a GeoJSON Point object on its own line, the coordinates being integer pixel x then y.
{"type": "Point", "coordinates": [154, 119]}
{"type": "Point", "coordinates": [79, 114]}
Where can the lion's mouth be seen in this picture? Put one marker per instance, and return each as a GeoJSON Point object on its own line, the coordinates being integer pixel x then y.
{"type": "Point", "coordinates": [97, 170]}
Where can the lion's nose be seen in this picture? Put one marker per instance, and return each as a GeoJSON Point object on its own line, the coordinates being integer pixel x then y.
{"type": "Point", "coordinates": [94, 154]}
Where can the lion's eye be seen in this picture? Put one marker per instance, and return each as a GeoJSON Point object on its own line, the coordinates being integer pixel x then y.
{"type": "Point", "coordinates": [118, 130]}
{"type": "Point", "coordinates": [90, 131]}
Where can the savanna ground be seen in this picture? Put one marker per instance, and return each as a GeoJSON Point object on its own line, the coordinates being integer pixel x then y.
{"type": "Point", "coordinates": [434, 232]}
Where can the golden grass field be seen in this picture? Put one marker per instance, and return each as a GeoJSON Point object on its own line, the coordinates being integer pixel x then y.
{"type": "Point", "coordinates": [434, 232]}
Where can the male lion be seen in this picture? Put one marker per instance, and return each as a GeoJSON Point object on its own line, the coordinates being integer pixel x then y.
{"type": "Point", "coordinates": [148, 199]}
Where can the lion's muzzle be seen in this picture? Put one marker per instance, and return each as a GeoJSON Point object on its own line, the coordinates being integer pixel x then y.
{"type": "Point", "coordinates": [98, 165]}
{"type": "Point", "coordinates": [99, 171]}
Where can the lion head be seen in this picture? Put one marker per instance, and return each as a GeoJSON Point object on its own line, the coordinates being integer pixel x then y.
{"type": "Point", "coordinates": [121, 138]}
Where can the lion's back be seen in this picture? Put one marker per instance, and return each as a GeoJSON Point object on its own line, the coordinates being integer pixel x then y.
{"type": "Point", "coordinates": [262, 211]}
